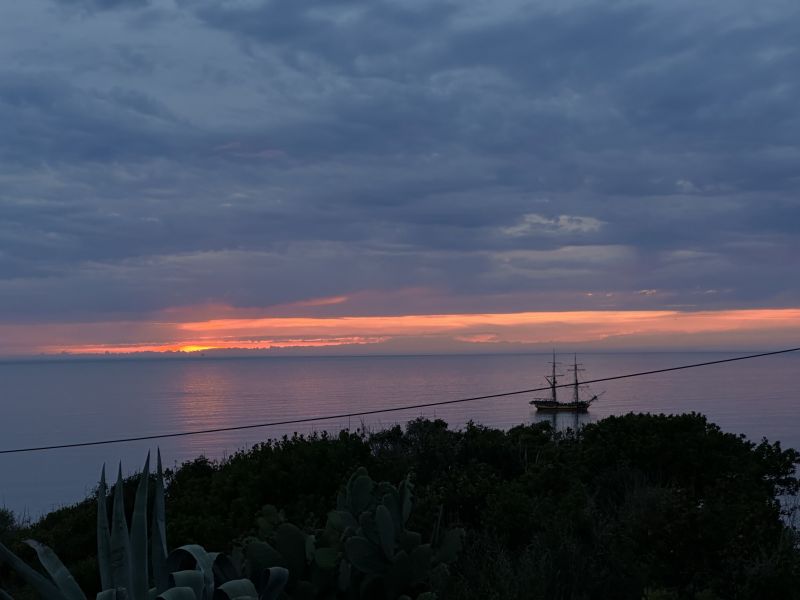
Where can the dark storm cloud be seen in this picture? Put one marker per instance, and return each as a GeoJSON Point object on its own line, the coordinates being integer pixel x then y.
{"type": "Point", "coordinates": [254, 153]}
{"type": "Point", "coordinates": [48, 120]}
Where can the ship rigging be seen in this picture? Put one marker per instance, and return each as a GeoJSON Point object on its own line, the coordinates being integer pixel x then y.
{"type": "Point", "coordinates": [553, 404]}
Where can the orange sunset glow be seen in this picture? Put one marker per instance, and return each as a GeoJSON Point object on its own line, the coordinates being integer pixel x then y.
{"type": "Point", "coordinates": [455, 331]}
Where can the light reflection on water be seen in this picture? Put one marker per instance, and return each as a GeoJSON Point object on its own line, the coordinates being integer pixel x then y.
{"type": "Point", "coordinates": [59, 402]}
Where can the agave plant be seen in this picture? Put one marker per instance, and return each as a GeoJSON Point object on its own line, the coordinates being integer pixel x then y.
{"type": "Point", "coordinates": [187, 573]}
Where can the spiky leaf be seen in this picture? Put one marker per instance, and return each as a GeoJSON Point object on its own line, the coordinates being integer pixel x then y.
{"type": "Point", "coordinates": [158, 532]}
{"type": "Point", "coordinates": [120, 542]}
{"type": "Point", "coordinates": [259, 557]}
{"type": "Point", "coordinates": [178, 593]}
{"type": "Point", "coordinates": [140, 577]}
{"type": "Point", "coordinates": [103, 535]}
{"type": "Point", "coordinates": [196, 554]}
{"type": "Point", "coordinates": [237, 588]}
{"type": "Point", "coordinates": [113, 594]}
{"type": "Point", "coordinates": [223, 567]}
{"type": "Point", "coordinates": [190, 579]}
{"type": "Point", "coordinates": [43, 586]}
{"type": "Point", "coordinates": [57, 571]}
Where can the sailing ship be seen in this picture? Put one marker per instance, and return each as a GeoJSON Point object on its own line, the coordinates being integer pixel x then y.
{"type": "Point", "coordinates": [553, 404]}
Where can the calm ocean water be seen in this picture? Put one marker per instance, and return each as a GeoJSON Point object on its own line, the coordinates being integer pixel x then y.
{"type": "Point", "coordinates": [61, 402]}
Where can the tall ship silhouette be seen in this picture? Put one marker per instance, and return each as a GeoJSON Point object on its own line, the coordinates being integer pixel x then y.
{"type": "Point", "coordinates": [553, 404]}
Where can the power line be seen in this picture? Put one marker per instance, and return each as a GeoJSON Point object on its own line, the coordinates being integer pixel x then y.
{"type": "Point", "coordinates": [376, 411]}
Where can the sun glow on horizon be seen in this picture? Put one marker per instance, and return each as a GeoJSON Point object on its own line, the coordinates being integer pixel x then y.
{"type": "Point", "coordinates": [441, 331]}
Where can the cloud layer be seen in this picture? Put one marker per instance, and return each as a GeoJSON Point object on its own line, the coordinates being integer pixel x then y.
{"type": "Point", "coordinates": [490, 156]}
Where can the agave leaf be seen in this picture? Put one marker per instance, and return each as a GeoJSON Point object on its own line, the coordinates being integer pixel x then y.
{"type": "Point", "coordinates": [237, 588]}
{"type": "Point", "coordinates": [103, 535]}
{"type": "Point", "coordinates": [178, 593]}
{"type": "Point", "coordinates": [112, 594]}
{"type": "Point", "coordinates": [120, 542]}
{"type": "Point", "coordinates": [158, 532]}
{"type": "Point", "coordinates": [259, 557]}
{"type": "Point", "coordinates": [191, 579]}
{"type": "Point", "coordinates": [140, 577]}
{"type": "Point", "coordinates": [201, 559]}
{"type": "Point", "coordinates": [277, 578]}
{"type": "Point", "coordinates": [57, 571]}
{"type": "Point", "coordinates": [43, 586]}
{"type": "Point", "coordinates": [223, 568]}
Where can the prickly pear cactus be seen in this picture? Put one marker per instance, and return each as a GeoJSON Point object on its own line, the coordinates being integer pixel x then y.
{"type": "Point", "coordinates": [383, 556]}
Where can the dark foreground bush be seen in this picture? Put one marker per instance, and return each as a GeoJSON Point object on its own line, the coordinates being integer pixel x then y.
{"type": "Point", "coordinates": [632, 507]}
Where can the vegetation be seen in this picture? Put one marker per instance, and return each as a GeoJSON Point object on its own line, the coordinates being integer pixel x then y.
{"type": "Point", "coordinates": [632, 507]}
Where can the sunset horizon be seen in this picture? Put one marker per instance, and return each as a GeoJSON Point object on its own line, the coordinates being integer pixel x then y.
{"type": "Point", "coordinates": [503, 332]}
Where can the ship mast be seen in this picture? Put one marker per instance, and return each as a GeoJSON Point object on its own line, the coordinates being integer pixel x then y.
{"type": "Point", "coordinates": [553, 381]}
{"type": "Point", "coordinates": [576, 385]}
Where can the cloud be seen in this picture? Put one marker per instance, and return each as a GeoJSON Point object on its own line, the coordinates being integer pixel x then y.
{"type": "Point", "coordinates": [505, 155]}
{"type": "Point", "coordinates": [563, 224]}
{"type": "Point", "coordinates": [525, 330]}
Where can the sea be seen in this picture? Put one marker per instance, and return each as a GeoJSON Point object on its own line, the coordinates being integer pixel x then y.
{"type": "Point", "coordinates": [44, 403]}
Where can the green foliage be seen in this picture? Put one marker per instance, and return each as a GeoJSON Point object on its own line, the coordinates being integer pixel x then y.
{"type": "Point", "coordinates": [629, 506]}
{"type": "Point", "coordinates": [8, 522]}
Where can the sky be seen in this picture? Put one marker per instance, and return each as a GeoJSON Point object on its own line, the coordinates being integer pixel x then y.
{"type": "Point", "coordinates": [385, 176]}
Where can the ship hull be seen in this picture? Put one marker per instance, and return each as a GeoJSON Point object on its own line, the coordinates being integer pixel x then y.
{"type": "Point", "coordinates": [551, 406]}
